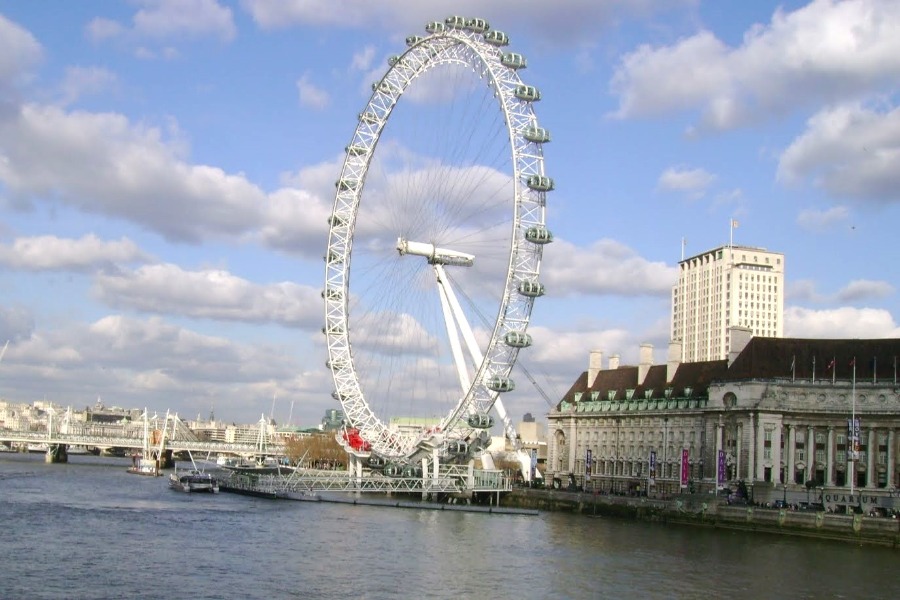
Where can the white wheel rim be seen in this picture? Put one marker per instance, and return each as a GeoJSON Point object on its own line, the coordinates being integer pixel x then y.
{"type": "Point", "coordinates": [522, 257]}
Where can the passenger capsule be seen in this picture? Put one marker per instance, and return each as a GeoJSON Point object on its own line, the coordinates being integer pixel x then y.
{"type": "Point", "coordinates": [477, 25]}
{"type": "Point", "coordinates": [333, 330]}
{"type": "Point", "coordinates": [535, 134]}
{"type": "Point", "coordinates": [529, 93]}
{"type": "Point", "coordinates": [347, 185]}
{"type": "Point", "coordinates": [393, 470]}
{"type": "Point", "coordinates": [480, 421]}
{"type": "Point", "coordinates": [532, 289]}
{"type": "Point", "coordinates": [455, 22]}
{"type": "Point", "coordinates": [413, 40]}
{"type": "Point", "coordinates": [517, 339]}
{"type": "Point", "coordinates": [385, 87]}
{"type": "Point", "coordinates": [457, 447]}
{"type": "Point", "coordinates": [435, 27]}
{"type": "Point", "coordinates": [332, 294]}
{"type": "Point", "coordinates": [393, 60]}
{"type": "Point", "coordinates": [355, 150]}
{"type": "Point", "coordinates": [375, 462]}
{"type": "Point", "coordinates": [411, 471]}
{"type": "Point", "coordinates": [337, 364]}
{"type": "Point", "coordinates": [540, 183]}
{"type": "Point", "coordinates": [333, 258]}
{"type": "Point", "coordinates": [513, 60]}
{"type": "Point", "coordinates": [368, 117]}
{"type": "Point", "coordinates": [496, 38]}
{"type": "Point", "coordinates": [538, 234]}
{"type": "Point", "coordinates": [337, 221]}
{"type": "Point", "coordinates": [501, 384]}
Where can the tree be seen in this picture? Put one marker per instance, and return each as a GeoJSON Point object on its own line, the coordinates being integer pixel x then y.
{"type": "Point", "coordinates": [316, 450]}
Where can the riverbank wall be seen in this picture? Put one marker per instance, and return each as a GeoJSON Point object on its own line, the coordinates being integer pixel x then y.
{"type": "Point", "coordinates": [708, 511]}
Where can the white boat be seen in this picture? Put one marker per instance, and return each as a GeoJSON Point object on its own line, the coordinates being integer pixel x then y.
{"type": "Point", "coordinates": [194, 481]}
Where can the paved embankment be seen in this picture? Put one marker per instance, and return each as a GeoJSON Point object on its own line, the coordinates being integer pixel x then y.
{"type": "Point", "coordinates": [706, 511]}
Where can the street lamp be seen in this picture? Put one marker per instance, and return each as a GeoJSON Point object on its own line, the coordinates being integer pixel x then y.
{"type": "Point", "coordinates": [702, 473]}
{"type": "Point", "coordinates": [665, 447]}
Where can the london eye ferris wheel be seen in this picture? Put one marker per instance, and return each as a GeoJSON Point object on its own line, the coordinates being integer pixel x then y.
{"type": "Point", "coordinates": [435, 243]}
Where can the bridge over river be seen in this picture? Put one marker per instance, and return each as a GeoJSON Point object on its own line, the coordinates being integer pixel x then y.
{"type": "Point", "coordinates": [154, 438]}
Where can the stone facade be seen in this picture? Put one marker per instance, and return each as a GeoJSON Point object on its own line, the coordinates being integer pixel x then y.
{"type": "Point", "coordinates": [777, 425]}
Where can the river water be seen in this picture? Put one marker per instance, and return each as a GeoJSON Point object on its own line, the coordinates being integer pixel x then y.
{"type": "Point", "coordinates": [88, 529]}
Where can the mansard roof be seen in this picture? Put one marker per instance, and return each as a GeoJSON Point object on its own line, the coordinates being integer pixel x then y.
{"type": "Point", "coordinates": [761, 358]}
{"type": "Point", "coordinates": [696, 376]}
{"type": "Point", "coordinates": [768, 358]}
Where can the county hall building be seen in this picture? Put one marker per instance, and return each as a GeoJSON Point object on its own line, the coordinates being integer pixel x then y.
{"type": "Point", "coordinates": [735, 402]}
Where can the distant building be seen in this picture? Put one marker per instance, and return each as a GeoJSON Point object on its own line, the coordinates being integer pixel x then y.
{"type": "Point", "coordinates": [774, 414]}
{"type": "Point", "coordinates": [729, 286]}
{"type": "Point", "coordinates": [333, 420]}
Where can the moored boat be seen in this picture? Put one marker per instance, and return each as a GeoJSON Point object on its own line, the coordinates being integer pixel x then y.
{"type": "Point", "coordinates": [194, 481]}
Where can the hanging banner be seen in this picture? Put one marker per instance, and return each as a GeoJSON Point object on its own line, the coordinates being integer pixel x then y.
{"type": "Point", "coordinates": [652, 467]}
{"type": "Point", "coordinates": [533, 463]}
{"type": "Point", "coordinates": [587, 463]}
{"type": "Point", "coordinates": [721, 470]}
{"type": "Point", "coordinates": [685, 468]}
{"type": "Point", "coordinates": [853, 434]}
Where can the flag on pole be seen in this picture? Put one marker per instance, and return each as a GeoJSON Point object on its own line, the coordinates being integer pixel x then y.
{"type": "Point", "coordinates": [793, 367]}
{"type": "Point", "coordinates": [734, 224]}
{"type": "Point", "coordinates": [814, 370]}
{"type": "Point", "coordinates": [831, 368]}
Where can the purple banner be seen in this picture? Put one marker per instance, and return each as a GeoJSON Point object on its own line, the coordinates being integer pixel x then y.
{"type": "Point", "coordinates": [721, 471]}
{"type": "Point", "coordinates": [685, 467]}
{"type": "Point", "coordinates": [652, 466]}
{"type": "Point", "coordinates": [587, 463]}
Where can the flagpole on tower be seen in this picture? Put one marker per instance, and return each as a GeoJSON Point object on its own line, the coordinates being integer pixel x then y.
{"type": "Point", "coordinates": [733, 224]}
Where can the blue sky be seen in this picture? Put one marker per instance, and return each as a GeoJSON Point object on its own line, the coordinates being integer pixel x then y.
{"type": "Point", "coordinates": [166, 168]}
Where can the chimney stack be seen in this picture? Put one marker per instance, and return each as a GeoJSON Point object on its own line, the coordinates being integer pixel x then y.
{"type": "Point", "coordinates": [645, 362]}
{"type": "Point", "coordinates": [595, 365]}
{"type": "Point", "coordinates": [613, 362]}
{"type": "Point", "coordinates": [673, 360]}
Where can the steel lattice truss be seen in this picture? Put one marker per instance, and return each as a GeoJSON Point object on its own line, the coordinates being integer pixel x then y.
{"type": "Point", "coordinates": [443, 46]}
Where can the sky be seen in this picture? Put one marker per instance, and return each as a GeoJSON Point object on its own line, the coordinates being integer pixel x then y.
{"type": "Point", "coordinates": [167, 168]}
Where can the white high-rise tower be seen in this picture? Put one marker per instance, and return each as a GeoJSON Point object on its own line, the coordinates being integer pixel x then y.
{"type": "Point", "coordinates": [726, 287]}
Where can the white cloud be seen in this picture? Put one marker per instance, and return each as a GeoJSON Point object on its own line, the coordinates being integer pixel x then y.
{"type": "Point", "coordinates": [692, 182]}
{"type": "Point", "coordinates": [839, 323]}
{"type": "Point", "coordinates": [850, 151]}
{"type": "Point", "coordinates": [152, 363]}
{"type": "Point", "coordinates": [605, 267]}
{"type": "Point", "coordinates": [159, 19]}
{"type": "Point", "coordinates": [19, 51]}
{"type": "Point", "coordinates": [824, 51]}
{"type": "Point", "coordinates": [803, 290]}
{"type": "Point", "coordinates": [822, 220]}
{"type": "Point", "coordinates": [865, 289]}
{"type": "Point", "coordinates": [81, 81]}
{"type": "Point", "coordinates": [311, 95]}
{"type": "Point", "coordinates": [210, 294]}
{"type": "Point", "coordinates": [48, 252]}
{"type": "Point", "coordinates": [100, 29]}
{"type": "Point", "coordinates": [15, 323]}
{"type": "Point", "coordinates": [543, 19]}
{"type": "Point", "coordinates": [362, 60]}
{"type": "Point", "coordinates": [101, 163]}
